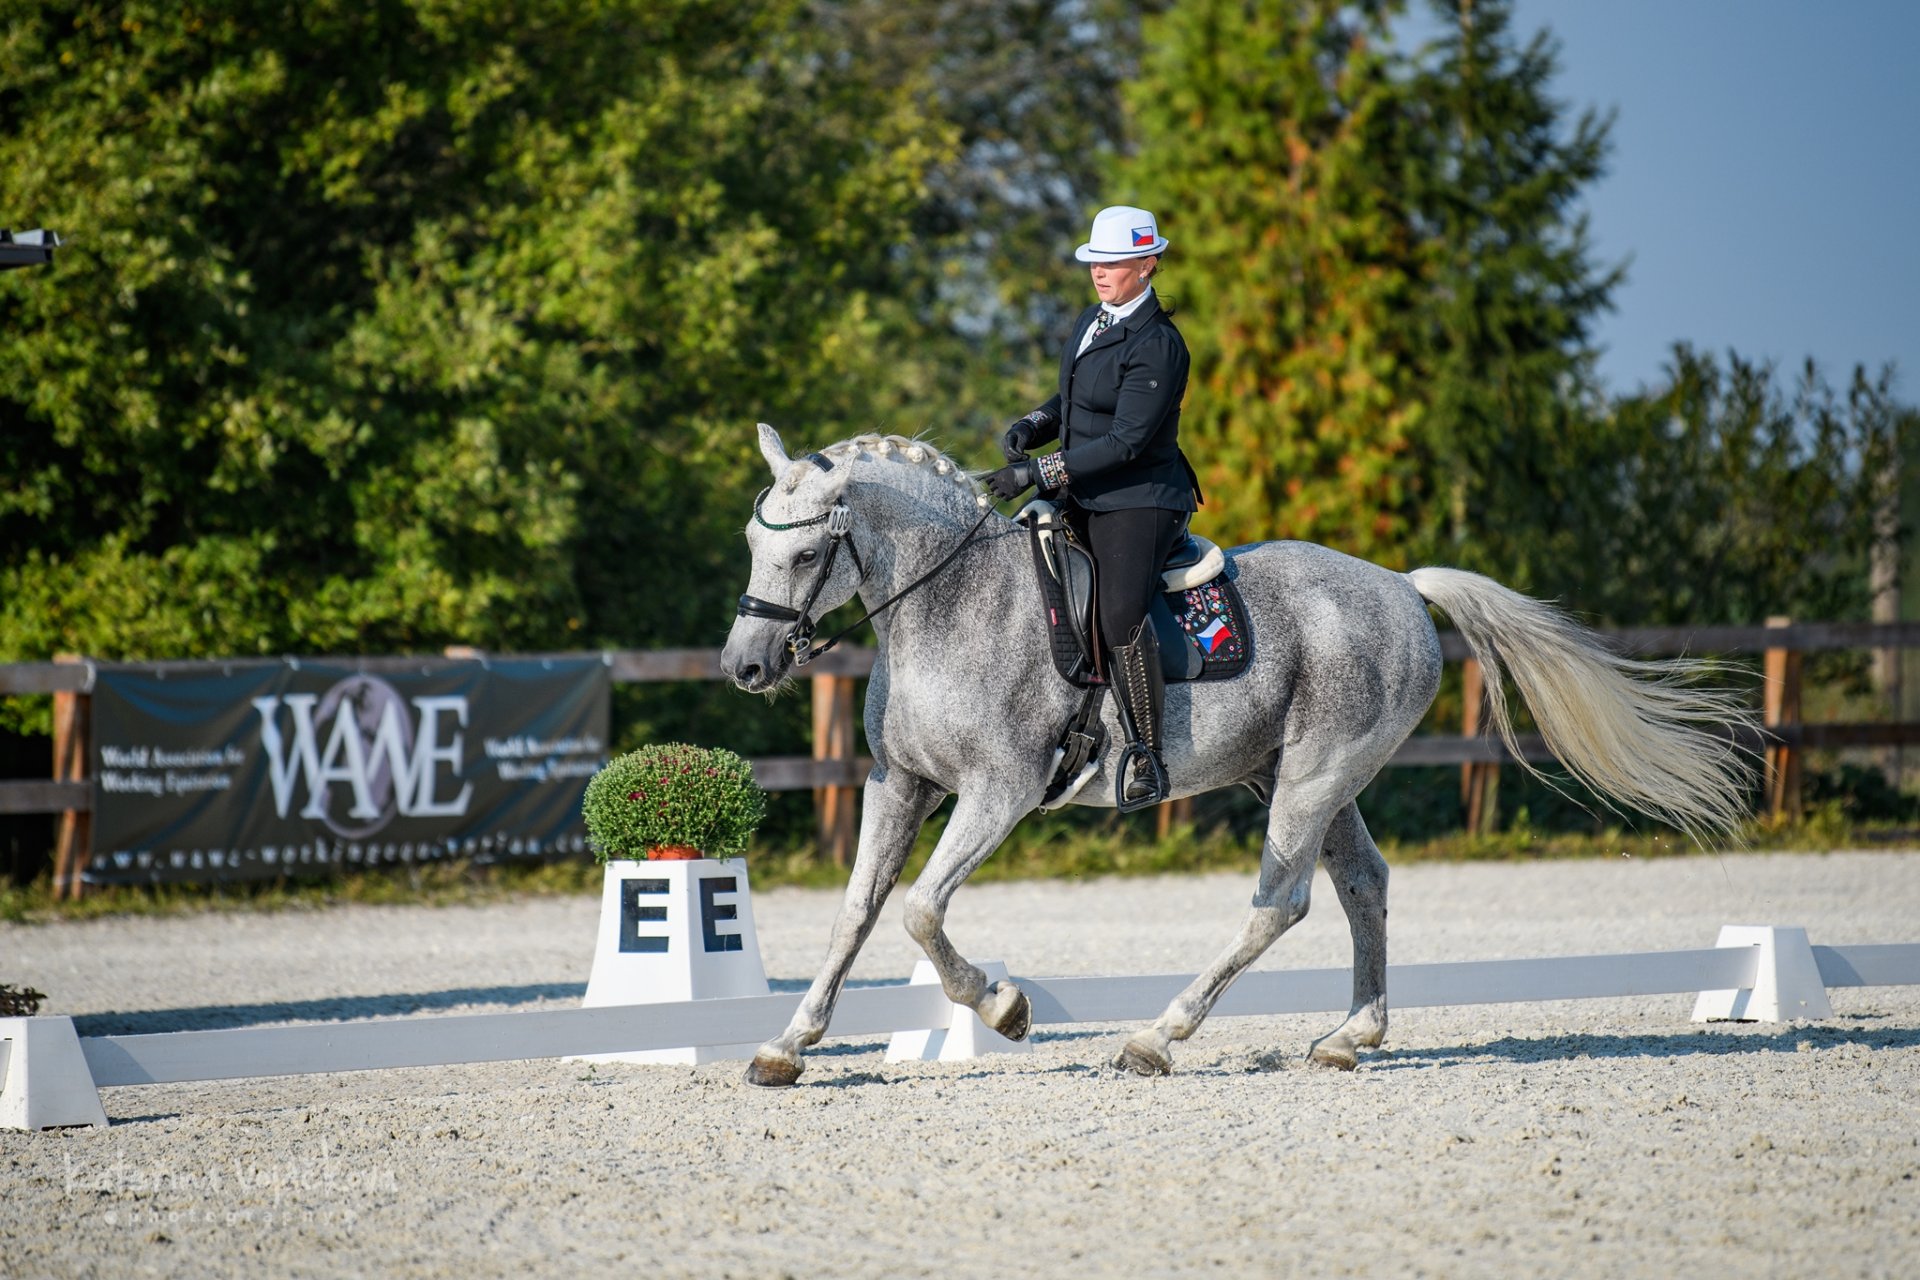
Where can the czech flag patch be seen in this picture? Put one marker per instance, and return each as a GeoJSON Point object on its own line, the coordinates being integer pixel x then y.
{"type": "Point", "coordinates": [1142, 236]}
{"type": "Point", "coordinates": [1215, 634]}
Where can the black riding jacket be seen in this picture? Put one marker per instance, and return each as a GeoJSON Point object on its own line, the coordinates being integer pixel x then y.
{"type": "Point", "coordinates": [1117, 414]}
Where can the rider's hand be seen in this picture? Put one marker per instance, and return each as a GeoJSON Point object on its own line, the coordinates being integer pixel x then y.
{"type": "Point", "coordinates": [1018, 440]}
{"type": "Point", "coordinates": [1011, 481]}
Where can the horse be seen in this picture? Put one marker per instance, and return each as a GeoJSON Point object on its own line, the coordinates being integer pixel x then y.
{"type": "Point", "coordinates": [964, 700]}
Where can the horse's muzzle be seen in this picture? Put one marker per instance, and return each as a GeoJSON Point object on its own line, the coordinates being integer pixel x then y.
{"type": "Point", "coordinates": [756, 663]}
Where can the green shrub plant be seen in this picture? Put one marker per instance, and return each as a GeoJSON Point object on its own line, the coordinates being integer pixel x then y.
{"type": "Point", "coordinates": [673, 794]}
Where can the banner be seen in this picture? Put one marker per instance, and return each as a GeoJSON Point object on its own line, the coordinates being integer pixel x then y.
{"type": "Point", "coordinates": [249, 770]}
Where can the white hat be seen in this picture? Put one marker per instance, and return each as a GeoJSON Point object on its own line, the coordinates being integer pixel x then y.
{"type": "Point", "coordinates": [1120, 232]}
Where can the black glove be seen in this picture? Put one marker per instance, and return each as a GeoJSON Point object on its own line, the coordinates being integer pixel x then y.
{"type": "Point", "coordinates": [1026, 432]}
{"type": "Point", "coordinates": [1018, 440]}
{"type": "Point", "coordinates": [1010, 481]}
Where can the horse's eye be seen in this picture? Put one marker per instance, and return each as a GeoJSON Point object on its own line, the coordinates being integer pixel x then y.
{"type": "Point", "coordinates": [806, 557]}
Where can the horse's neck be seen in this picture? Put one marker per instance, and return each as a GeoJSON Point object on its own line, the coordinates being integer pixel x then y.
{"type": "Point", "coordinates": [911, 547]}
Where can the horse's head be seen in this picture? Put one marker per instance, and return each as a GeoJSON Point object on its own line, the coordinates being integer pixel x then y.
{"type": "Point", "coordinates": [804, 565]}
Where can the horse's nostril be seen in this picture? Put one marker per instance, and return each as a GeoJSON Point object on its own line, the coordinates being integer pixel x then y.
{"type": "Point", "coordinates": [750, 674]}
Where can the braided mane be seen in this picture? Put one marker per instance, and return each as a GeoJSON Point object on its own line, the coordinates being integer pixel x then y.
{"type": "Point", "coordinates": [875, 448]}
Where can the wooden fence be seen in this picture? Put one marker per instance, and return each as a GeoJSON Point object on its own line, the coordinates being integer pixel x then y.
{"type": "Point", "coordinates": [834, 771]}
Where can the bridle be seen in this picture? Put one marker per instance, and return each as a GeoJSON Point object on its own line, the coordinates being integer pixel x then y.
{"type": "Point", "coordinates": [839, 521]}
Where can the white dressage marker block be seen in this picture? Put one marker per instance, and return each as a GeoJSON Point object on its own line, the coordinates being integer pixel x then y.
{"type": "Point", "coordinates": [963, 1038]}
{"type": "Point", "coordinates": [44, 1080]}
{"type": "Point", "coordinates": [675, 931]}
{"type": "Point", "coordinates": [1786, 979]}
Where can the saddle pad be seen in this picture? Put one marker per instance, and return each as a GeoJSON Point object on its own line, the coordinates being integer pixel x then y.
{"type": "Point", "coordinates": [1211, 616]}
{"type": "Point", "coordinates": [1215, 620]}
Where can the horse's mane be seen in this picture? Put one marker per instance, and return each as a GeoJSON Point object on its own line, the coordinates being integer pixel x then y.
{"type": "Point", "coordinates": [925, 457]}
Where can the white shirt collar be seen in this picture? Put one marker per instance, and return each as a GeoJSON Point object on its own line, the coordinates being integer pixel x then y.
{"type": "Point", "coordinates": [1122, 312]}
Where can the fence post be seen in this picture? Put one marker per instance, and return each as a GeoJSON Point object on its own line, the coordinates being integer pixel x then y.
{"type": "Point", "coordinates": [833, 740]}
{"type": "Point", "coordinates": [72, 749]}
{"type": "Point", "coordinates": [1169, 814]}
{"type": "Point", "coordinates": [1479, 782]}
{"type": "Point", "coordinates": [1781, 708]}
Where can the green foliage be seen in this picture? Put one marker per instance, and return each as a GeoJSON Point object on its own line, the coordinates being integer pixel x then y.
{"type": "Point", "coordinates": [19, 1002]}
{"type": "Point", "coordinates": [384, 327]}
{"type": "Point", "coordinates": [1508, 297]}
{"type": "Point", "coordinates": [1266, 136]}
{"type": "Point", "coordinates": [673, 794]}
{"type": "Point", "coordinates": [1732, 494]}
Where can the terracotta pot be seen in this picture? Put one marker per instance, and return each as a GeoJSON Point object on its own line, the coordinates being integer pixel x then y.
{"type": "Point", "coordinates": [674, 853]}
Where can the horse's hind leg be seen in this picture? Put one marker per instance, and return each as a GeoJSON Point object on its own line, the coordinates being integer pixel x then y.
{"type": "Point", "coordinates": [1296, 829]}
{"type": "Point", "coordinates": [1359, 876]}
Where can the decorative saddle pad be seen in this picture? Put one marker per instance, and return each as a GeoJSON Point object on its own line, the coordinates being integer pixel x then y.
{"type": "Point", "coordinates": [1202, 630]}
{"type": "Point", "coordinates": [1215, 621]}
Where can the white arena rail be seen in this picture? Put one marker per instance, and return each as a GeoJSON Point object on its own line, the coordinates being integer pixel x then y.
{"type": "Point", "coordinates": [49, 1075]}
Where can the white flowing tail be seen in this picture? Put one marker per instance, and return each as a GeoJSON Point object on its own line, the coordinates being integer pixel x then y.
{"type": "Point", "coordinates": [1642, 733]}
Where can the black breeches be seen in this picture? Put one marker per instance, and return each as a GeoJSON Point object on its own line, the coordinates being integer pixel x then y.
{"type": "Point", "coordinates": [1128, 546]}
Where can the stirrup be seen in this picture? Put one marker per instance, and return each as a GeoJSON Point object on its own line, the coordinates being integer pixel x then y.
{"type": "Point", "coordinates": [1146, 765]}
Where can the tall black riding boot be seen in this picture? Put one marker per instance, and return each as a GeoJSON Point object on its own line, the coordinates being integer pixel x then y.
{"type": "Point", "coordinates": [1142, 690]}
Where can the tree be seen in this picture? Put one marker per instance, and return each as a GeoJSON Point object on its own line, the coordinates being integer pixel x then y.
{"type": "Point", "coordinates": [1734, 493]}
{"type": "Point", "coordinates": [387, 326]}
{"type": "Point", "coordinates": [1267, 132]}
{"type": "Point", "coordinates": [1388, 284]}
{"type": "Point", "coordinates": [1508, 297]}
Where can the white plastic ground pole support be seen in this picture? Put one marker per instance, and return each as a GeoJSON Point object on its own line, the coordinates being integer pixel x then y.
{"type": "Point", "coordinates": [675, 931]}
{"type": "Point", "coordinates": [1786, 979]}
{"type": "Point", "coordinates": [963, 1038]}
{"type": "Point", "coordinates": [44, 1080]}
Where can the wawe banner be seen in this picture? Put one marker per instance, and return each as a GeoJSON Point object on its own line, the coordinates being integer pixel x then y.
{"type": "Point", "coordinates": [250, 770]}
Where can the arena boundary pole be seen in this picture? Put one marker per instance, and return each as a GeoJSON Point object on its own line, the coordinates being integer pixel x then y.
{"type": "Point", "coordinates": [113, 1061]}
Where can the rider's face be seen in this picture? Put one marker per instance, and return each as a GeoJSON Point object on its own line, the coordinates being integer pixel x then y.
{"type": "Point", "coordinates": [1119, 283]}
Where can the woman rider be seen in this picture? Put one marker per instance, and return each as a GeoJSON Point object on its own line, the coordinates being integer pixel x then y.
{"type": "Point", "coordinates": [1126, 487]}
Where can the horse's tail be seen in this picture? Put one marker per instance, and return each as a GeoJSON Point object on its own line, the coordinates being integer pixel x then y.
{"type": "Point", "coordinates": [1633, 731]}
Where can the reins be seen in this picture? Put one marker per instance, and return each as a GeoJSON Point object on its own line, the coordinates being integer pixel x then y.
{"type": "Point", "coordinates": [839, 521]}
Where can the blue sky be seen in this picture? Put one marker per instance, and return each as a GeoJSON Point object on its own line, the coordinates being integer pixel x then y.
{"type": "Point", "coordinates": [1765, 176]}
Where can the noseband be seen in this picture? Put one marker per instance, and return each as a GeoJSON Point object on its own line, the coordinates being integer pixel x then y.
{"type": "Point", "coordinates": [839, 521]}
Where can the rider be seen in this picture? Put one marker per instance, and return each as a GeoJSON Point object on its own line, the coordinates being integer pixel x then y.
{"type": "Point", "coordinates": [1126, 488]}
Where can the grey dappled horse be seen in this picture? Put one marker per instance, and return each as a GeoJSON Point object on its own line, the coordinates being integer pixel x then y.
{"type": "Point", "coordinates": [964, 700]}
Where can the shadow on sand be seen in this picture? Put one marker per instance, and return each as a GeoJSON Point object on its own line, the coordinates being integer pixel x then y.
{"type": "Point", "coordinates": [221, 1017]}
{"type": "Point", "coordinates": [1715, 1040]}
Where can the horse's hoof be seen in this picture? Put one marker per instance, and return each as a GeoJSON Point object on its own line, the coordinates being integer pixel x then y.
{"type": "Point", "coordinates": [1335, 1051]}
{"type": "Point", "coordinates": [1143, 1060]}
{"type": "Point", "coordinates": [768, 1072]}
{"type": "Point", "coordinates": [1012, 1018]}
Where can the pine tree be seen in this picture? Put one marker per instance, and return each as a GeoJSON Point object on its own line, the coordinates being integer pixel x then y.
{"type": "Point", "coordinates": [1509, 296]}
{"type": "Point", "coordinates": [1388, 282]}
{"type": "Point", "coordinates": [1262, 132]}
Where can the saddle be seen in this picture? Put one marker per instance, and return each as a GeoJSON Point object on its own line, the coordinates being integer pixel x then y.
{"type": "Point", "coordinates": [1198, 618]}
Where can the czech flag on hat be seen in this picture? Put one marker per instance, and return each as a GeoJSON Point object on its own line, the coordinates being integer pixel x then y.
{"type": "Point", "coordinates": [1121, 232]}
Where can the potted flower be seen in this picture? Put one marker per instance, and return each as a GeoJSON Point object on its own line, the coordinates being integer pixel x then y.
{"type": "Point", "coordinates": [670, 823]}
{"type": "Point", "coordinates": [672, 801]}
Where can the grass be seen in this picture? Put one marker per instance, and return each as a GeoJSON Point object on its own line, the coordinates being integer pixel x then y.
{"type": "Point", "coordinates": [1038, 850]}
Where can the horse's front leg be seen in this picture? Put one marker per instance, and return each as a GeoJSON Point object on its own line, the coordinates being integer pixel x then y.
{"type": "Point", "coordinates": [893, 807]}
{"type": "Point", "coordinates": [981, 820]}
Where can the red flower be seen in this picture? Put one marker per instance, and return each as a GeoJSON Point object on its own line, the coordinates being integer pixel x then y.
{"type": "Point", "coordinates": [636, 795]}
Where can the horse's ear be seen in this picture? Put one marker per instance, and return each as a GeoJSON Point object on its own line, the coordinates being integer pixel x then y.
{"type": "Point", "coordinates": [773, 451]}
